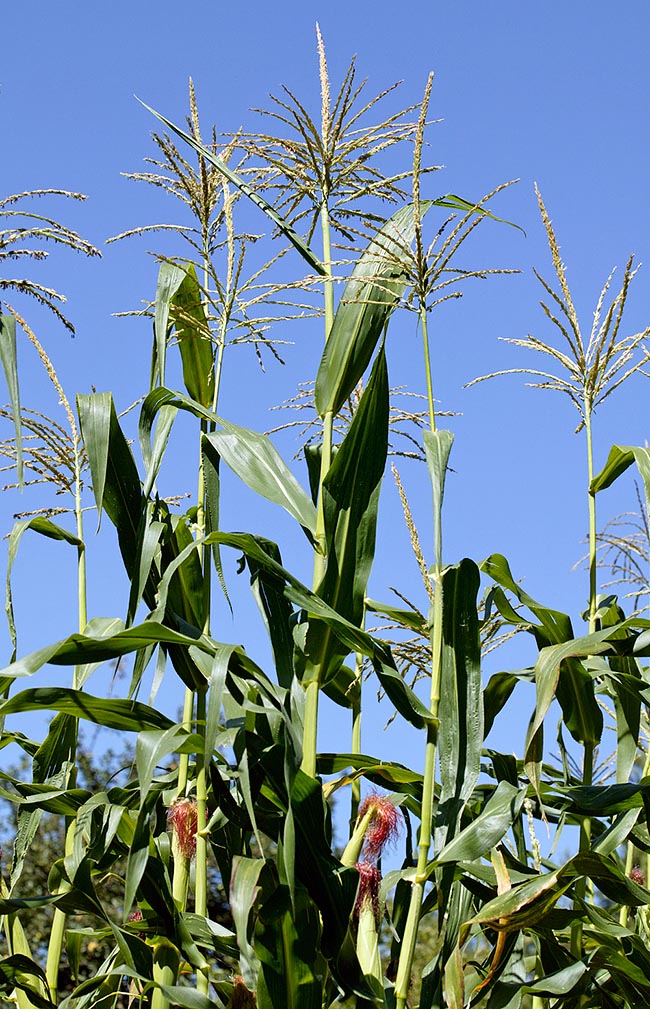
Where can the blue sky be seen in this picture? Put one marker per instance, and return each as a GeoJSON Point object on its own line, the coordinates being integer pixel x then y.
{"type": "Point", "coordinates": [556, 94]}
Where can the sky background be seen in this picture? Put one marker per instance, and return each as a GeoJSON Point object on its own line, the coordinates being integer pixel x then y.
{"type": "Point", "coordinates": [551, 93]}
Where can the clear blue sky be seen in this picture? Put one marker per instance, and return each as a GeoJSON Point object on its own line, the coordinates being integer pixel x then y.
{"type": "Point", "coordinates": [557, 94]}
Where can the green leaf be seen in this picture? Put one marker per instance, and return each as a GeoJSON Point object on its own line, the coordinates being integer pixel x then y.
{"type": "Point", "coordinates": [277, 613]}
{"type": "Point", "coordinates": [350, 503]}
{"type": "Point", "coordinates": [568, 680]}
{"type": "Point", "coordinates": [554, 626]}
{"type": "Point", "coordinates": [561, 982]}
{"type": "Point", "coordinates": [409, 618]}
{"type": "Point", "coordinates": [24, 974]}
{"type": "Point", "coordinates": [371, 294]}
{"type": "Point", "coordinates": [488, 828]}
{"type": "Point", "coordinates": [625, 682]}
{"type": "Point", "coordinates": [9, 358]}
{"type": "Point", "coordinates": [113, 713]}
{"type": "Point", "coordinates": [114, 474]}
{"type": "Point", "coordinates": [467, 207]}
{"type": "Point", "coordinates": [381, 772]}
{"type": "Point", "coordinates": [619, 459]}
{"type": "Point", "coordinates": [356, 640]}
{"type": "Point", "coordinates": [46, 528]}
{"type": "Point", "coordinates": [586, 718]}
{"type": "Point", "coordinates": [617, 833]}
{"type": "Point", "coordinates": [437, 448]}
{"type": "Point", "coordinates": [79, 648]}
{"type": "Point", "coordinates": [255, 460]}
{"type": "Point", "coordinates": [147, 546]}
{"type": "Point", "coordinates": [332, 888]}
{"type": "Point", "coordinates": [244, 891]}
{"type": "Point", "coordinates": [460, 737]}
{"type": "Point", "coordinates": [170, 277]}
{"type": "Point", "coordinates": [287, 943]}
{"type": "Point", "coordinates": [351, 498]}
{"type": "Point", "coordinates": [185, 998]}
{"type": "Point", "coordinates": [194, 338]}
{"type": "Point", "coordinates": [499, 688]}
{"type": "Point", "coordinates": [210, 462]}
{"type": "Point", "coordinates": [152, 745]}
{"type": "Point", "coordinates": [244, 188]}
{"type": "Point", "coordinates": [523, 905]}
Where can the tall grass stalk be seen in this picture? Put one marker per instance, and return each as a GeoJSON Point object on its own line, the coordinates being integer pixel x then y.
{"type": "Point", "coordinates": [589, 372]}
{"type": "Point", "coordinates": [409, 940]}
{"type": "Point", "coordinates": [57, 933]}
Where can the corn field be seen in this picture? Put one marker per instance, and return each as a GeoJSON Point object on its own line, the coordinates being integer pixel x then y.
{"type": "Point", "coordinates": [236, 861]}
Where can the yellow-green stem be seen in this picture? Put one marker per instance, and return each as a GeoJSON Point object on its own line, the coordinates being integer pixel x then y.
{"type": "Point", "coordinates": [585, 844]}
{"type": "Point", "coordinates": [409, 940]}
{"type": "Point", "coordinates": [201, 869]}
{"type": "Point", "coordinates": [57, 932]}
{"type": "Point", "coordinates": [427, 365]}
{"type": "Point", "coordinates": [588, 759]}
{"type": "Point", "coordinates": [327, 263]}
{"type": "Point", "coordinates": [312, 690]}
{"type": "Point", "coordinates": [629, 862]}
{"type": "Point", "coordinates": [356, 740]}
{"type": "Point", "coordinates": [593, 584]}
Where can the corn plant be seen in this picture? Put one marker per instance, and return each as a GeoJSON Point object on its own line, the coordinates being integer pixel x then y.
{"type": "Point", "coordinates": [236, 795]}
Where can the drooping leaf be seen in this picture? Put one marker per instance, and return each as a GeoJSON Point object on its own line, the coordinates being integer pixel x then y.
{"type": "Point", "coordinates": [22, 974]}
{"type": "Point", "coordinates": [586, 724]}
{"type": "Point", "coordinates": [619, 459]}
{"type": "Point", "coordinates": [116, 482]}
{"type": "Point", "coordinates": [243, 187]}
{"type": "Point", "coordinates": [46, 528]}
{"type": "Point", "coordinates": [277, 613]}
{"type": "Point", "coordinates": [488, 829]}
{"type": "Point", "coordinates": [570, 682]}
{"type": "Point", "coordinates": [113, 713]}
{"type": "Point", "coordinates": [80, 648]}
{"type": "Point", "coordinates": [356, 640]}
{"type": "Point", "coordinates": [257, 463]}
